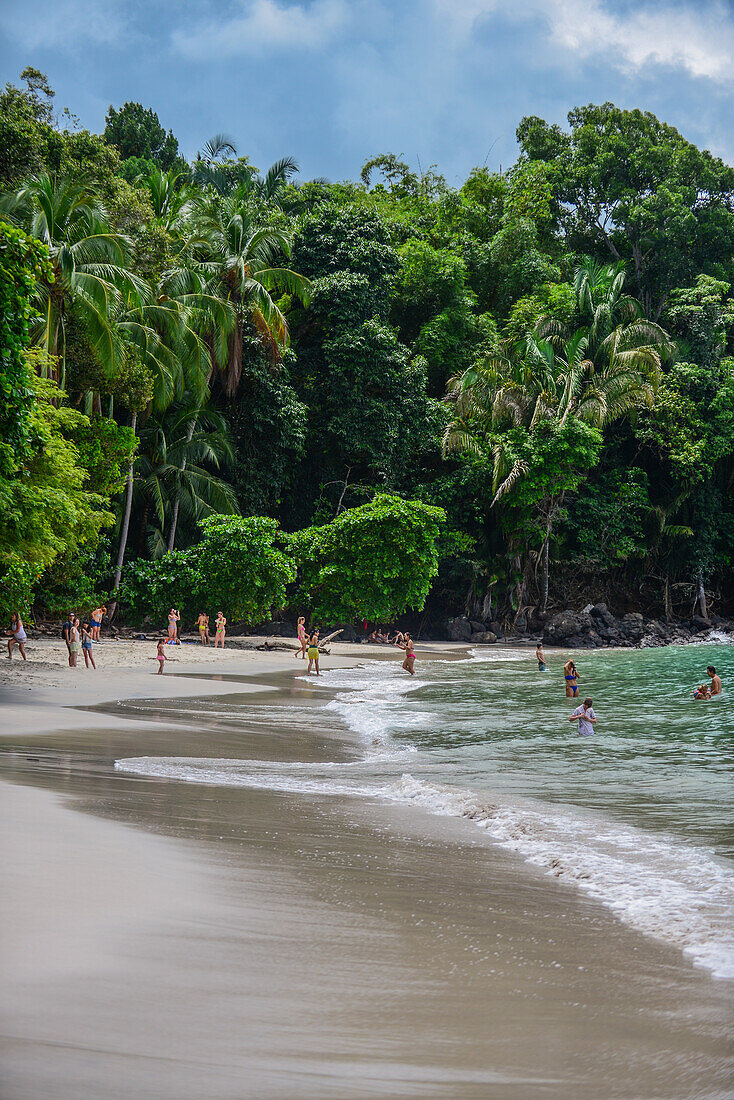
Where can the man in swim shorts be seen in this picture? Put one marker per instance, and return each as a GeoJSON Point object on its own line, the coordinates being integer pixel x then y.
{"type": "Point", "coordinates": [715, 680]}
{"type": "Point", "coordinates": [540, 656]}
{"type": "Point", "coordinates": [585, 717]}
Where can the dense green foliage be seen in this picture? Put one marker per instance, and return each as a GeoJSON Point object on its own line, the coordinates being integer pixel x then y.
{"type": "Point", "coordinates": [372, 562]}
{"type": "Point", "coordinates": [546, 354]}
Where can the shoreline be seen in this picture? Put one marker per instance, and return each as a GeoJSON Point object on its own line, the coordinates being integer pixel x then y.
{"type": "Point", "coordinates": [248, 942]}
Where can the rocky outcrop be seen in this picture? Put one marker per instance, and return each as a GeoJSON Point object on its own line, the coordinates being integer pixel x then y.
{"type": "Point", "coordinates": [459, 629]}
{"type": "Point", "coordinates": [566, 628]}
{"type": "Point", "coordinates": [483, 637]}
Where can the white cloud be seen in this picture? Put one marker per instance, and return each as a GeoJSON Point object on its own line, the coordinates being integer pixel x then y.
{"type": "Point", "coordinates": [264, 26]}
{"type": "Point", "coordinates": [63, 24]}
{"type": "Point", "coordinates": [697, 38]}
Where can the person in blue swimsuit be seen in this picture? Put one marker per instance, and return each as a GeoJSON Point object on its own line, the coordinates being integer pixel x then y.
{"type": "Point", "coordinates": [572, 678]}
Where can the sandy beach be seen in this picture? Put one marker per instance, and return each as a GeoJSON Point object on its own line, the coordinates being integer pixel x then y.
{"type": "Point", "coordinates": [177, 940]}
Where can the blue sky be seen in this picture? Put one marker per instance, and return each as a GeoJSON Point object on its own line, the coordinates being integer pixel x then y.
{"type": "Point", "coordinates": [332, 82]}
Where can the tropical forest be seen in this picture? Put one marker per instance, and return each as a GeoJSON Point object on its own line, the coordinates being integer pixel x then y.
{"type": "Point", "coordinates": [368, 401]}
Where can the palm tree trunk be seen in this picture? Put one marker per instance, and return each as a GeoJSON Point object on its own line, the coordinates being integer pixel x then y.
{"type": "Point", "coordinates": [702, 596]}
{"type": "Point", "coordinates": [125, 523]}
{"type": "Point", "coordinates": [668, 600]}
{"type": "Point", "coordinates": [545, 574]}
{"type": "Point", "coordinates": [174, 519]}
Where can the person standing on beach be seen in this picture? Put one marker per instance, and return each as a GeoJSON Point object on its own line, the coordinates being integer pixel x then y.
{"type": "Point", "coordinates": [540, 657]}
{"type": "Point", "coordinates": [572, 678]}
{"type": "Point", "coordinates": [219, 635]}
{"type": "Point", "coordinates": [16, 635]}
{"type": "Point", "coordinates": [715, 680]}
{"type": "Point", "coordinates": [302, 638]}
{"type": "Point", "coordinates": [87, 639]}
{"type": "Point", "coordinates": [66, 635]}
{"type": "Point", "coordinates": [74, 643]}
{"type": "Point", "coordinates": [409, 649]}
{"type": "Point", "coordinates": [96, 622]}
{"type": "Point", "coordinates": [585, 717]}
{"type": "Point", "coordinates": [174, 617]}
{"type": "Point", "coordinates": [313, 653]}
{"type": "Point", "coordinates": [203, 624]}
{"type": "Point", "coordinates": [161, 655]}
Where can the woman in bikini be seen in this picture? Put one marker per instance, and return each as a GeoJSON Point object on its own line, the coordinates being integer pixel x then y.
{"type": "Point", "coordinates": [173, 620]}
{"type": "Point", "coordinates": [16, 636]}
{"type": "Point", "coordinates": [161, 655]}
{"type": "Point", "coordinates": [407, 645]}
{"type": "Point", "coordinates": [87, 639]}
{"type": "Point", "coordinates": [572, 678]}
{"type": "Point", "coordinates": [219, 636]}
{"type": "Point", "coordinates": [302, 638]}
{"type": "Point", "coordinates": [96, 622]}
{"type": "Point", "coordinates": [203, 624]}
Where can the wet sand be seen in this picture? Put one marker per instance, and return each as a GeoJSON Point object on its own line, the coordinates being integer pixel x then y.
{"type": "Point", "coordinates": [168, 940]}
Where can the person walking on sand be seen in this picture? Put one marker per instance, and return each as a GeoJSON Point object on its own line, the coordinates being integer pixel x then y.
{"type": "Point", "coordinates": [87, 639]}
{"type": "Point", "coordinates": [174, 618]}
{"type": "Point", "coordinates": [302, 638]}
{"type": "Point", "coordinates": [572, 678]}
{"type": "Point", "coordinates": [715, 680]}
{"type": "Point", "coordinates": [540, 657]}
{"type": "Point", "coordinates": [313, 653]}
{"type": "Point", "coordinates": [219, 636]}
{"type": "Point", "coordinates": [16, 635]}
{"type": "Point", "coordinates": [409, 659]}
{"type": "Point", "coordinates": [74, 643]}
{"type": "Point", "coordinates": [203, 624]}
{"type": "Point", "coordinates": [66, 635]}
{"type": "Point", "coordinates": [585, 717]}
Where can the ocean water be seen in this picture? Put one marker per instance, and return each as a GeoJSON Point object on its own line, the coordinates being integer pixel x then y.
{"type": "Point", "coordinates": [638, 816]}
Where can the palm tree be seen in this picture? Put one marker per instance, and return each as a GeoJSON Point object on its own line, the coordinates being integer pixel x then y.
{"type": "Point", "coordinates": [596, 374]}
{"type": "Point", "coordinates": [169, 195]}
{"type": "Point", "coordinates": [239, 257]}
{"type": "Point", "coordinates": [90, 264]}
{"type": "Point", "coordinates": [174, 470]}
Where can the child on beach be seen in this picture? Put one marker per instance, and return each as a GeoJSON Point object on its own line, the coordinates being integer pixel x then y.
{"type": "Point", "coordinates": [585, 717]}
{"type": "Point", "coordinates": [313, 653]}
{"type": "Point", "coordinates": [16, 636]}
{"type": "Point", "coordinates": [407, 645]}
{"type": "Point", "coordinates": [219, 635]}
{"type": "Point", "coordinates": [161, 655]}
{"type": "Point", "coordinates": [302, 639]}
{"type": "Point", "coordinates": [87, 639]}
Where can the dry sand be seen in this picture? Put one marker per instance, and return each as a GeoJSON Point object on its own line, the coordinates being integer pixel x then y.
{"type": "Point", "coordinates": [171, 941]}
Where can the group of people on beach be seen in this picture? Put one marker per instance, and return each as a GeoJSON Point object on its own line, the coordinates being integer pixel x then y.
{"type": "Point", "coordinates": [308, 647]}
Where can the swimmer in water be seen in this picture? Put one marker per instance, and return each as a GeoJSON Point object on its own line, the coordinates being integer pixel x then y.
{"type": "Point", "coordinates": [715, 680]}
{"type": "Point", "coordinates": [540, 657]}
{"type": "Point", "coordinates": [702, 692]}
{"type": "Point", "coordinates": [585, 717]}
{"type": "Point", "coordinates": [572, 678]}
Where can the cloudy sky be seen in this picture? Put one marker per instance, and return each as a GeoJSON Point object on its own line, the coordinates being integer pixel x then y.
{"type": "Point", "coordinates": [332, 82]}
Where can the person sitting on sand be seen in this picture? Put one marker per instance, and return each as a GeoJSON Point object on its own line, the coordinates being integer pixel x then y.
{"type": "Point", "coordinates": [66, 635]}
{"type": "Point", "coordinates": [407, 645]}
{"type": "Point", "coordinates": [585, 717]}
{"type": "Point", "coordinates": [174, 617]}
{"type": "Point", "coordinates": [540, 657]}
{"type": "Point", "coordinates": [95, 624]}
{"type": "Point", "coordinates": [16, 636]}
{"type": "Point", "coordinates": [203, 624]}
{"type": "Point", "coordinates": [572, 678]}
{"type": "Point", "coordinates": [302, 638]}
{"type": "Point", "coordinates": [87, 639]}
{"type": "Point", "coordinates": [715, 680]}
{"type": "Point", "coordinates": [703, 691]}
{"type": "Point", "coordinates": [220, 632]}
{"type": "Point", "coordinates": [313, 653]}
{"type": "Point", "coordinates": [74, 643]}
